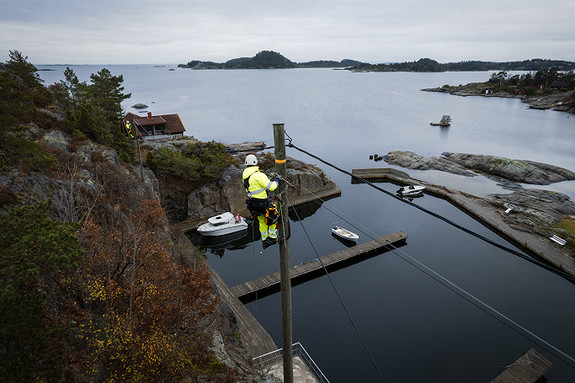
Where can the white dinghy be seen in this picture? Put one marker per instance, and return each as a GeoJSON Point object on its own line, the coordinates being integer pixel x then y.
{"type": "Point", "coordinates": [223, 224]}
{"type": "Point", "coordinates": [344, 233]}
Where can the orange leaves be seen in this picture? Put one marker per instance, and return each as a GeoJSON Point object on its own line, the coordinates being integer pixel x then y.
{"type": "Point", "coordinates": [145, 308]}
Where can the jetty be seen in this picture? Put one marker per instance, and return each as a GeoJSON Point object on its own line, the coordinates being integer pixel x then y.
{"type": "Point", "coordinates": [529, 368]}
{"type": "Point", "coordinates": [445, 121]}
{"type": "Point", "coordinates": [256, 340]}
{"type": "Point", "coordinates": [480, 209]}
{"type": "Point", "coordinates": [305, 271]}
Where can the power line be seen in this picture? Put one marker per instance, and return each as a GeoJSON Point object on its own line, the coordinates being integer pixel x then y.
{"type": "Point", "coordinates": [561, 273]}
{"type": "Point", "coordinates": [348, 313]}
{"type": "Point", "coordinates": [502, 318]}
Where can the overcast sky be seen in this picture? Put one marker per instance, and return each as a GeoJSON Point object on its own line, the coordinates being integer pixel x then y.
{"type": "Point", "coordinates": [374, 31]}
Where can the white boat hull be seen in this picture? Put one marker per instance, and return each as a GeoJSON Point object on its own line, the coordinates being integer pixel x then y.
{"type": "Point", "coordinates": [411, 191]}
{"type": "Point", "coordinates": [223, 224]}
{"type": "Point", "coordinates": [344, 233]}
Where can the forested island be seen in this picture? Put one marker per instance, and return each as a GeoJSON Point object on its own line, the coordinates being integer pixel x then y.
{"type": "Point", "coordinates": [544, 89]}
{"type": "Point", "coordinates": [274, 60]}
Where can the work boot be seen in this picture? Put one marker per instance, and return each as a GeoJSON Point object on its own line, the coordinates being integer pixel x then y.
{"type": "Point", "coordinates": [268, 242]}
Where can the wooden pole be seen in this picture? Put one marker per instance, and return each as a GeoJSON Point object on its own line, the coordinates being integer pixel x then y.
{"type": "Point", "coordinates": [283, 233]}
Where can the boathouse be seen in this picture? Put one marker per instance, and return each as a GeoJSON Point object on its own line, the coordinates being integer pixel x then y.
{"type": "Point", "coordinates": [155, 127]}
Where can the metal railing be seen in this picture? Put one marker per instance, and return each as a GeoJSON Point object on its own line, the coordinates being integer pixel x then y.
{"type": "Point", "coordinates": [274, 357]}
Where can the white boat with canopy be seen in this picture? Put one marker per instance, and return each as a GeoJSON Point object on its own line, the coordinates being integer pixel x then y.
{"type": "Point", "coordinates": [223, 224]}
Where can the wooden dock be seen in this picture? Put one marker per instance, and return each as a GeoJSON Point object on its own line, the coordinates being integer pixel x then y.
{"type": "Point", "coordinates": [527, 369]}
{"type": "Point", "coordinates": [271, 283]}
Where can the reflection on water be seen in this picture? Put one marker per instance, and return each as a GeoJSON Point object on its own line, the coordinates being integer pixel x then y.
{"type": "Point", "coordinates": [303, 211]}
{"type": "Point", "coordinates": [219, 244]}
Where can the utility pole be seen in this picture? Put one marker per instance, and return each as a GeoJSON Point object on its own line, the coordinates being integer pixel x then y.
{"type": "Point", "coordinates": [283, 233]}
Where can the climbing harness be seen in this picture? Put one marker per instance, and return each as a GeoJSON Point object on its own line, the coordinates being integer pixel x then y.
{"type": "Point", "coordinates": [272, 214]}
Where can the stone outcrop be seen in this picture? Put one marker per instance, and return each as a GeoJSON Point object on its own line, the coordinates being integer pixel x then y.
{"type": "Point", "coordinates": [563, 101]}
{"type": "Point", "coordinates": [415, 161]}
{"type": "Point", "coordinates": [228, 193]}
{"type": "Point", "coordinates": [523, 171]}
{"type": "Point", "coordinates": [536, 211]}
{"type": "Point", "coordinates": [520, 171]}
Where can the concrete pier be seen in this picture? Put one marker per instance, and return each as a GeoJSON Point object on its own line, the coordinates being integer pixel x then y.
{"type": "Point", "coordinates": [480, 209]}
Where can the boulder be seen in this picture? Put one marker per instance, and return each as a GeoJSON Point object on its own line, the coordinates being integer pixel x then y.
{"type": "Point", "coordinates": [57, 140]}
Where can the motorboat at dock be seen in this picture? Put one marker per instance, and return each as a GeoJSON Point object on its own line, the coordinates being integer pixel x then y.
{"type": "Point", "coordinates": [411, 191]}
{"type": "Point", "coordinates": [223, 224]}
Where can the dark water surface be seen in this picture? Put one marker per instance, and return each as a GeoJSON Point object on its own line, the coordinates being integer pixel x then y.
{"type": "Point", "coordinates": [415, 329]}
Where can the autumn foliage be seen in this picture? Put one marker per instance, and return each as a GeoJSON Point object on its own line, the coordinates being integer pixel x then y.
{"type": "Point", "coordinates": [91, 285]}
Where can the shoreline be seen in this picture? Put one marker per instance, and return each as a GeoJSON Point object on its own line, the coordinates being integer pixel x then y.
{"type": "Point", "coordinates": [556, 100]}
{"type": "Point", "coordinates": [483, 210]}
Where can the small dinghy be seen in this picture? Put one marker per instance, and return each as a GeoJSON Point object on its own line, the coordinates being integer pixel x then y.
{"type": "Point", "coordinates": [411, 191]}
{"type": "Point", "coordinates": [344, 233]}
{"type": "Point", "coordinates": [223, 224]}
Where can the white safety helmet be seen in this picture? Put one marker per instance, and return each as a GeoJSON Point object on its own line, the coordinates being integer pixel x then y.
{"type": "Point", "coordinates": [251, 160]}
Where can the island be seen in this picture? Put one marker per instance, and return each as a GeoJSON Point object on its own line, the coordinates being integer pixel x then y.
{"type": "Point", "coordinates": [544, 89]}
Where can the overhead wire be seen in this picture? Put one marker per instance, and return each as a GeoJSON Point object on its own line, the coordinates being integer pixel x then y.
{"type": "Point", "coordinates": [550, 268]}
{"type": "Point", "coordinates": [348, 313]}
{"type": "Point", "coordinates": [502, 318]}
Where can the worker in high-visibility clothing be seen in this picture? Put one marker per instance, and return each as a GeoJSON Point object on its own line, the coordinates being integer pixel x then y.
{"type": "Point", "coordinates": [257, 184]}
{"type": "Point", "coordinates": [129, 129]}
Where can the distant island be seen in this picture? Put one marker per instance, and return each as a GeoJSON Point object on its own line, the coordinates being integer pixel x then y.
{"type": "Point", "coordinates": [274, 60]}
{"type": "Point", "coordinates": [267, 60]}
{"type": "Point", "coordinates": [544, 89]}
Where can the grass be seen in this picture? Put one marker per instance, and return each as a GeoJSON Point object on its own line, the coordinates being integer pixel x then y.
{"type": "Point", "coordinates": [567, 224]}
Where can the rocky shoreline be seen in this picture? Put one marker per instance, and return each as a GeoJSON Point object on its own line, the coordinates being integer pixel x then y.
{"type": "Point", "coordinates": [563, 101]}
{"type": "Point", "coordinates": [539, 212]}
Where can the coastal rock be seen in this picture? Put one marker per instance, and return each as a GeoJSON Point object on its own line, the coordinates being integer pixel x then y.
{"type": "Point", "coordinates": [228, 193]}
{"type": "Point", "coordinates": [536, 210]}
{"type": "Point", "coordinates": [415, 161]}
{"type": "Point", "coordinates": [504, 170]}
{"type": "Point", "coordinates": [523, 171]}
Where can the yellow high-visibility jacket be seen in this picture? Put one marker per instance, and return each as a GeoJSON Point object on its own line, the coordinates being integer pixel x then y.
{"type": "Point", "coordinates": [259, 183]}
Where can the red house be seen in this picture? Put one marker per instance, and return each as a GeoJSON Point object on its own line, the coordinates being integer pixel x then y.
{"type": "Point", "coordinates": [160, 126]}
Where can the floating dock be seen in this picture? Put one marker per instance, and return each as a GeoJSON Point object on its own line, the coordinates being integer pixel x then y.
{"type": "Point", "coordinates": [527, 369]}
{"type": "Point", "coordinates": [271, 283]}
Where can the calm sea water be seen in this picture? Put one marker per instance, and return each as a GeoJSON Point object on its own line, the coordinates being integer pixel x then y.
{"type": "Point", "coordinates": [415, 329]}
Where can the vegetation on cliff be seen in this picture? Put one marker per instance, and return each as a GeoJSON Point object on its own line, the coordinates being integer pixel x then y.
{"type": "Point", "coordinates": [92, 286]}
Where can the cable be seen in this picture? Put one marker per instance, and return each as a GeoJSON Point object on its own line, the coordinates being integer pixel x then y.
{"type": "Point", "coordinates": [338, 295]}
{"type": "Point", "coordinates": [502, 318]}
{"type": "Point", "coordinates": [561, 273]}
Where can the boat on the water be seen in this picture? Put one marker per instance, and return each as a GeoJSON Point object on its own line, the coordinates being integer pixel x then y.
{"type": "Point", "coordinates": [223, 224]}
{"type": "Point", "coordinates": [445, 121]}
{"type": "Point", "coordinates": [411, 190]}
{"type": "Point", "coordinates": [344, 233]}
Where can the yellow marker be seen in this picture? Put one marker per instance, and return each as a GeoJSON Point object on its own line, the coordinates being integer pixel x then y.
{"type": "Point", "coordinates": [280, 161]}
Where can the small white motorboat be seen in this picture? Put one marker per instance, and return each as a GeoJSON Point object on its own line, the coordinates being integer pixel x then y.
{"type": "Point", "coordinates": [344, 233]}
{"type": "Point", "coordinates": [223, 224]}
{"type": "Point", "coordinates": [411, 190]}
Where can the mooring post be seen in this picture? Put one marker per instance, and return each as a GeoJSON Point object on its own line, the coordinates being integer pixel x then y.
{"type": "Point", "coordinates": [283, 234]}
